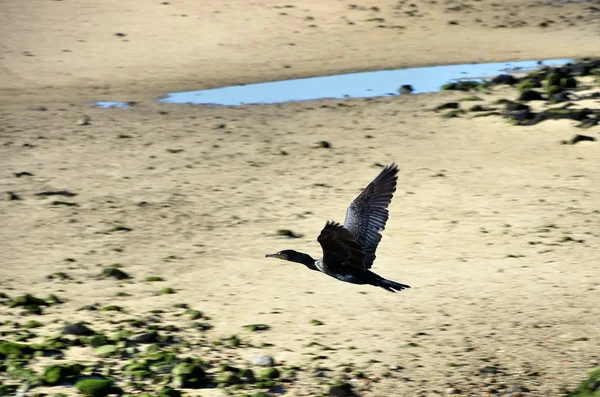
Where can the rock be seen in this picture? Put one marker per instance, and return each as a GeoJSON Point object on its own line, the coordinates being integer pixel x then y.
{"type": "Point", "coordinates": [12, 196]}
{"type": "Point", "coordinates": [288, 233]}
{"type": "Point", "coordinates": [22, 173]}
{"type": "Point", "coordinates": [106, 350]}
{"type": "Point", "coordinates": [263, 361]}
{"type": "Point", "coordinates": [560, 97]}
{"type": "Point", "coordinates": [479, 108]}
{"type": "Point", "coordinates": [588, 123]}
{"type": "Point", "coordinates": [257, 327]}
{"type": "Point", "coordinates": [448, 105]}
{"type": "Point", "coordinates": [139, 370]}
{"type": "Point", "coordinates": [27, 300]}
{"type": "Point", "coordinates": [516, 106]}
{"type": "Point", "coordinates": [188, 375]}
{"type": "Point", "coordinates": [146, 338]}
{"type": "Point", "coordinates": [270, 373]}
{"type": "Point", "coordinates": [462, 85]}
{"type": "Point", "coordinates": [64, 193]}
{"type": "Point", "coordinates": [522, 117]}
{"type": "Point", "coordinates": [85, 120]}
{"type": "Point", "coordinates": [56, 374]}
{"type": "Point", "coordinates": [506, 79]}
{"type": "Point", "coordinates": [247, 375]}
{"type": "Point", "coordinates": [77, 329]}
{"type": "Point", "coordinates": [97, 340]}
{"type": "Point", "coordinates": [341, 389]}
{"type": "Point", "coordinates": [488, 370]}
{"type": "Point", "coordinates": [531, 95]}
{"type": "Point", "coordinates": [115, 273]}
{"type": "Point", "coordinates": [169, 392]}
{"type": "Point", "coordinates": [453, 113]}
{"type": "Point", "coordinates": [406, 89]}
{"type": "Point", "coordinates": [579, 138]}
{"type": "Point", "coordinates": [228, 378]}
{"type": "Point", "coordinates": [95, 387]}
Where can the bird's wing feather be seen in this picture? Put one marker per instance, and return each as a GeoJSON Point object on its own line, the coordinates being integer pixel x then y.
{"type": "Point", "coordinates": [367, 215]}
{"type": "Point", "coordinates": [341, 251]}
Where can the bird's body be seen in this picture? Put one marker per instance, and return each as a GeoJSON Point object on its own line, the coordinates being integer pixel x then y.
{"type": "Point", "coordinates": [349, 250]}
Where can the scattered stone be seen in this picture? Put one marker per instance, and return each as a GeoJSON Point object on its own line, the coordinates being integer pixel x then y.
{"type": "Point", "coordinates": [95, 387]}
{"type": "Point", "coordinates": [146, 338]}
{"type": "Point", "coordinates": [65, 203]}
{"type": "Point", "coordinates": [466, 85]}
{"type": "Point", "coordinates": [22, 173]}
{"type": "Point", "coordinates": [77, 329]}
{"type": "Point", "coordinates": [97, 340]}
{"type": "Point", "coordinates": [489, 369]}
{"type": "Point", "coordinates": [169, 392]}
{"type": "Point", "coordinates": [579, 138]}
{"type": "Point", "coordinates": [228, 378]}
{"type": "Point", "coordinates": [448, 105]}
{"type": "Point", "coordinates": [588, 123]}
{"type": "Point", "coordinates": [85, 120]}
{"type": "Point", "coordinates": [479, 108]}
{"type": "Point", "coordinates": [471, 98]}
{"type": "Point", "coordinates": [324, 144]}
{"type": "Point", "coordinates": [504, 79]}
{"type": "Point", "coordinates": [288, 233]}
{"type": "Point", "coordinates": [516, 106]}
{"type": "Point", "coordinates": [531, 95]}
{"type": "Point", "coordinates": [115, 273]}
{"type": "Point", "coordinates": [11, 196]}
{"type": "Point", "coordinates": [316, 322]}
{"type": "Point", "coordinates": [528, 84]}
{"type": "Point", "coordinates": [257, 327]}
{"type": "Point", "coordinates": [107, 350]}
{"type": "Point", "coordinates": [194, 314]}
{"type": "Point", "coordinates": [340, 389]}
{"type": "Point", "coordinates": [453, 113]}
{"type": "Point", "coordinates": [188, 375]}
{"type": "Point", "coordinates": [64, 193]}
{"type": "Point", "coordinates": [263, 361]}
{"type": "Point", "coordinates": [55, 374]}
{"type": "Point", "coordinates": [59, 276]}
{"type": "Point", "coordinates": [154, 278]}
{"type": "Point", "coordinates": [406, 89]}
{"type": "Point", "coordinates": [111, 308]}
{"type": "Point", "coordinates": [270, 373]}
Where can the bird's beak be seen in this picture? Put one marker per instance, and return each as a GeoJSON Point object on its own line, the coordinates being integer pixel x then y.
{"type": "Point", "coordinates": [272, 256]}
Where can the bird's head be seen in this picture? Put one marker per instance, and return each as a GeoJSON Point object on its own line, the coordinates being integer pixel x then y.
{"type": "Point", "coordinates": [293, 256]}
{"type": "Point", "coordinates": [286, 255]}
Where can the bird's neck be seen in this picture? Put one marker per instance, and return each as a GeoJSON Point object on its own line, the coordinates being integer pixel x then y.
{"type": "Point", "coordinates": [305, 259]}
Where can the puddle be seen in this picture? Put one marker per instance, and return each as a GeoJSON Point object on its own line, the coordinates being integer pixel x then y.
{"type": "Point", "coordinates": [353, 85]}
{"type": "Point", "coordinates": [112, 105]}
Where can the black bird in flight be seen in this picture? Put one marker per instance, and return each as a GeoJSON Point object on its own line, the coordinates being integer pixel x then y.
{"type": "Point", "coordinates": [349, 250]}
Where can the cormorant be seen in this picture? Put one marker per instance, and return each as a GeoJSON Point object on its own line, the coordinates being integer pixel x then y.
{"type": "Point", "coordinates": [349, 250]}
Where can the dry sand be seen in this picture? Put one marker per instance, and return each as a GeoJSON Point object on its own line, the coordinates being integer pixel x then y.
{"type": "Point", "coordinates": [478, 226]}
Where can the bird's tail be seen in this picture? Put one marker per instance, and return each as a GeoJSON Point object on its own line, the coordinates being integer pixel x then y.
{"type": "Point", "coordinates": [392, 286]}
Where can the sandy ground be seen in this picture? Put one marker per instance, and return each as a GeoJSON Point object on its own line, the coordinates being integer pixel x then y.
{"type": "Point", "coordinates": [494, 226]}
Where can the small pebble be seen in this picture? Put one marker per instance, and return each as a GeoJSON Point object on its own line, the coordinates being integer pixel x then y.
{"type": "Point", "coordinates": [263, 361]}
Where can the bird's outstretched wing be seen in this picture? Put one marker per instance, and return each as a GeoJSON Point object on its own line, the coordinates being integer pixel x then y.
{"type": "Point", "coordinates": [367, 215]}
{"type": "Point", "coordinates": [340, 248]}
